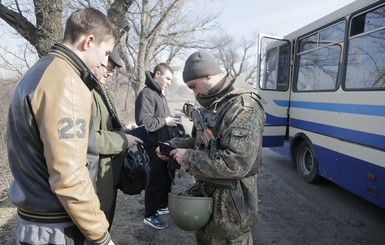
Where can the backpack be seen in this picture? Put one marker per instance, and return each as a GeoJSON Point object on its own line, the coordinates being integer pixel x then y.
{"type": "Point", "coordinates": [135, 171]}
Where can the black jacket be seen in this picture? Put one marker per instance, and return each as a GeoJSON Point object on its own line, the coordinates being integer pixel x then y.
{"type": "Point", "coordinates": [151, 109]}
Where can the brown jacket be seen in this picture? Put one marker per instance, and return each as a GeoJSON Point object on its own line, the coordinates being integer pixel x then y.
{"type": "Point", "coordinates": [50, 145]}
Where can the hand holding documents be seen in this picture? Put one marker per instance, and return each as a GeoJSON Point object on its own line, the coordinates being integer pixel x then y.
{"type": "Point", "coordinates": [139, 132]}
{"type": "Point", "coordinates": [165, 149]}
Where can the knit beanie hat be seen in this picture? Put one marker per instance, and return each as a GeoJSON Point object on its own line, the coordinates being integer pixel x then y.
{"type": "Point", "coordinates": [200, 64]}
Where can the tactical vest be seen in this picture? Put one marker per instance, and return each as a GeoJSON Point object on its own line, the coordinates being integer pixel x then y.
{"type": "Point", "coordinates": [214, 116]}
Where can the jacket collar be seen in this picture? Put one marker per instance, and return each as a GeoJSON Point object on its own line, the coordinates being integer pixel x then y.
{"type": "Point", "coordinates": [61, 51]}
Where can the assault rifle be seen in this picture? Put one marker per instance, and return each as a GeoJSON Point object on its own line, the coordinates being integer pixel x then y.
{"type": "Point", "coordinates": [208, 137]}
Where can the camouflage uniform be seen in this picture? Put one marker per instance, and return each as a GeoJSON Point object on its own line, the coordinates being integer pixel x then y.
{"type": "Point", "coordinates": [237, 118]}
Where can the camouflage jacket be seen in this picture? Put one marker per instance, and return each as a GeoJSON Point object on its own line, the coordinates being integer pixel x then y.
{"type": "Point", "coordinates": [237, 120]}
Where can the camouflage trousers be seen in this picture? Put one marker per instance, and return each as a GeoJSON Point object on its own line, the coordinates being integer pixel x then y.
{"type": "Point", "coordinates": [204, 238]}
{"type": "Point", "coordinates": [235, 209]}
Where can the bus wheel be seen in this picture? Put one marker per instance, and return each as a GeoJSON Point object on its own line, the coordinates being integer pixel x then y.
{"type": "Point", "coordinates": [307, 164]}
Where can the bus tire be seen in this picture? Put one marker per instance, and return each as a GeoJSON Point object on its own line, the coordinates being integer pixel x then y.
{"type": "Point", "coordinates": [307, 163]}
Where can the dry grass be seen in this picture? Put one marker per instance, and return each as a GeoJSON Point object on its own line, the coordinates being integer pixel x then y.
{"type": "Point", "coordinates": [6, 176]}
{"type": "Point", "coordinates": [6, 179]}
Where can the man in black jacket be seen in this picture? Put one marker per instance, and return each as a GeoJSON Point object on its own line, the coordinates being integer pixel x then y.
{"type": "Point", "coordinates": [151, 109]}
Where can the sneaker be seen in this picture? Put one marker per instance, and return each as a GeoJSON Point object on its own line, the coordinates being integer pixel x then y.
{"type": "Point", "coordinates": [155, 222]}
{"type": "Point", "coordinates": [162, 211]}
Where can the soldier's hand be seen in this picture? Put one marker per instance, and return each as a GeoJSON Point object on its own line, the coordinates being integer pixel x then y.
{"type": "Point", "coordinates": [178, 154]}
{"type": "Point", "coordinates": [160, 155]}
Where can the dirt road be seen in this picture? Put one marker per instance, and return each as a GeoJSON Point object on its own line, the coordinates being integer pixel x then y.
{"type": "Point", "coordinates": [291, 212]}
{"type": "Point", "coordinates": [295, 212]}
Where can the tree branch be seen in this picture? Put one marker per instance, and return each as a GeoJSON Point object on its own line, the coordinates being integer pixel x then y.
{"type": "Point", "coordinates": [19, 23]}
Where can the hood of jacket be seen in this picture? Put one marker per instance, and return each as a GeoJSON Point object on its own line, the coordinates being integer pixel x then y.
{"type": "Point", "coordinates": [151, 83]}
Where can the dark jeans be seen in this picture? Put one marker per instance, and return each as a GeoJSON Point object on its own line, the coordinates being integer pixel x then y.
{"type": "Point", "coordinates": [159, 185]}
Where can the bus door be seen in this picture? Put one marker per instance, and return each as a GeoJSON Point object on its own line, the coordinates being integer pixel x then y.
{"type": "Point", "coordinates": [273, 87]}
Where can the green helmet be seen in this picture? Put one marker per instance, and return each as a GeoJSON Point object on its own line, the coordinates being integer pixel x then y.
{"type": "Point", "coordinates": [190, 213]}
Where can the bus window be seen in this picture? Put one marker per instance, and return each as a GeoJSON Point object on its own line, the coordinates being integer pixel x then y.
{"type": "Point", "coordinates": [275, 67]}
{"type": "Point", "coordinates": [365, 68]}
{"type": "Point", "coordinates": [318, 69]}
{"type": "Point", "coordinates": [319, 59]}
{"type": "Point", "coordinates": [308, 43]}
{"type": "Point", "coordinates": [270, 70]}
{"type": "Point", "coordinates": [332, 34]}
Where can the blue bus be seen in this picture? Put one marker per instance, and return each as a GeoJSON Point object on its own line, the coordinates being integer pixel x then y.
{"type": "Point", "coordinates": [323, 90]}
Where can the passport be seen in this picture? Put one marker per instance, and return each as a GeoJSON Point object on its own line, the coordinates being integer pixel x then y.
{"type": "Point", "coordinates": [139, 132]}
{"type": "Point", "coordinates": [165, 149]}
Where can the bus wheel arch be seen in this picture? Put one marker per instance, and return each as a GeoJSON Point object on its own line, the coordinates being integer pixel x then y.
{"type": "Point", "coordinates": [305, 159]}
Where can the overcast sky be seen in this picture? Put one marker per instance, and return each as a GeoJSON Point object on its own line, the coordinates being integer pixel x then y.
{"type": "Point", "coordinates": [278, 17]}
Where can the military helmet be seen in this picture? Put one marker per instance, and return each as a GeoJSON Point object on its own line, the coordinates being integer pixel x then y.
{"type": "Point", "coordinates": [190, 213]}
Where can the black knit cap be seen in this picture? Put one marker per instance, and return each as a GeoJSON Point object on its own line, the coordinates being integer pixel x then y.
{"type": "Point", "coordinates": [114, 57]}
{"type": "Point", "coordinates": [200, 64]}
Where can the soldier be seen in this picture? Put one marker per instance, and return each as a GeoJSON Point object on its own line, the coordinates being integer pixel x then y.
{"type": "Point", "coordinates": [225, 166]}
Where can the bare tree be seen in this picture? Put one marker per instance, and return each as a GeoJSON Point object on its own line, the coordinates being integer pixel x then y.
{"type": "Point", "coordinates": [237, 56]}
{"type": "Point", "coordinates": [16, 63]}
{"type": "Point", "coordinates": [48, 28]}
{"type": "Point", "coordinates": [49, 15]}
{"type": "Point", "coordinates": [160, 31]}
{"type": "Point", "coordinates": [116, 10]}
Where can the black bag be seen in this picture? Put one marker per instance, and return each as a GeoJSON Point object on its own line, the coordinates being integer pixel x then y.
{"type": "Point", "coordinates": [135, 171]}
{"type": "Point", "coordinates": [177, 132]}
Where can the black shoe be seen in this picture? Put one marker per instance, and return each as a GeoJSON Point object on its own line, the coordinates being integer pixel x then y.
{"type": "Point", "coordinates": [155, 222]}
